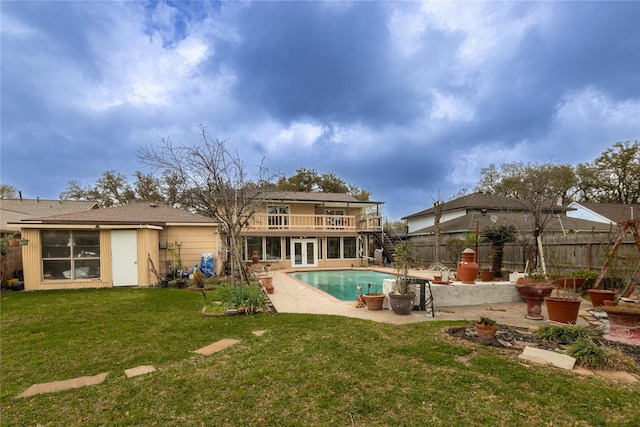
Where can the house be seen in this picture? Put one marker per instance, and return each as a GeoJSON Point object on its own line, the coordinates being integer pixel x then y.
{"type": "Point", "coordinates": [464, 217]}
{"type": "Point", "coordinates": [134, 245]}
{"type": "Point", "coordinates": [14, 210]}
{"type": "Point", "coordinates": [308, 229]}
{"type": "Point", "coordinates": [130, 245]}
{"type": "Point", "coordinates": [607, 213]}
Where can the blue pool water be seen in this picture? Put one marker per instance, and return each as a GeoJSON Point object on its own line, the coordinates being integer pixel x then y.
{"type": "Point", "coordinates": [343, 284]}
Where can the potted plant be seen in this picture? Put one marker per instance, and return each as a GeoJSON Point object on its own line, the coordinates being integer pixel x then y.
{"type": "Point", "coordinates": [486, 275]}
{"type": "Point", "coordinates": [403, 296]}
{"type": "Point", "coordinates": [486, 328]}
{"type": "Point", "coordinates": [624, 321]}
{"type": "Point", "coordinates": [373, 300]}
{"type": "Point", "coordinates": [534, 288]}
{"type": "Point", "coordinates": [565, 305]}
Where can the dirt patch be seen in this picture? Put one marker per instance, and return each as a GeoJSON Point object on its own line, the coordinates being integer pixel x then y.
{"type": "Point", "coordinates": [511, 337]}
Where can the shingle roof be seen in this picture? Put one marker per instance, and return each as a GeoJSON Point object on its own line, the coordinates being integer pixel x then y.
{"type": "Point", "coordinates": [614, 211]}
{"type": "Point", "coordinates": [136, 213]}
{"type": "Point", "coordinates": [520, 220]}
{"type": "Point", "coordinates": [301, 196]}
{"type": "Point", "coordinates": [14, 210]}
{"type": "Point", "coordinates": [478, 201]}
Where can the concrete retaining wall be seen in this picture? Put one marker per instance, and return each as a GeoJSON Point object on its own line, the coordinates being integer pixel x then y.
{"type": "Point", "coordinates": [457, 294]}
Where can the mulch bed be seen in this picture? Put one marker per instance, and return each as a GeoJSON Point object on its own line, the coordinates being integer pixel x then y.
{"type": "Point", "coordinates": [514, 338]}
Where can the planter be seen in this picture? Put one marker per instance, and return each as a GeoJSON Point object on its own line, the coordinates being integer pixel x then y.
{"type": "Point", "coordinates": [620, 316]}
{"type": "Point", "coordinates": [570, 282]}
{"type": "Point", "coordinates": [563, 310]}
{"type": "Point", "coordinates": [609, 303]}
{"type": "Point", "coordinates": [401, 304]}
{"type": "Point", "coordinates": [533, 293]}
{"type": "Point", "coordinates": [486, 276]}
{"type": "Point", "coordinates": [599, 296]}
{"type": "Point", "coordinates": [486, 332]}
{"type": "Point", "coordinates": [164, 283]}
{"type": "Point", "coordinates": [374, 300]}
{"type": "Point", "coordinates": [468, 269]}
{"type": "Point", "coordinates": [14, 242]}
{"type": "Point", "coordinates": [624, 325]}
{"type": "Point", "coordinates": [267, 281]}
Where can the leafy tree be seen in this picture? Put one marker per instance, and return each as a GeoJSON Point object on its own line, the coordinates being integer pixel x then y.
{"type": "Point", "coordinates": [543, 186]}
{"type": "Point", "coordinates": [613, 177]}
{"type": "Point", "coordinates": [308, 180]}
{"type": "Point", "coordinates": [8, 191]}
{"type": "Point", "coordinates": [217, 182]}
{"type": "Point", "coordinates": [113, 189]}
{"type": "Point", "coordinates": [497, 237]}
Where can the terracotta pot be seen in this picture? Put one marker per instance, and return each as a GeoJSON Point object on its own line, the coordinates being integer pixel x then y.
{"type": "Point", "coordinates": [468, 269]}
{"type": "Point", "coordinates": [533, 293]}
{"type": "Point", "coordinates": [609, 303]}
{"type": "Point", "coordinates": [401, 304]}
{"type": "Point", "coordinates": [374, 300]}
{"type": "Point", "coordinates": [599, 296]}
{"type": "Point", "coordinates": [620, 316]}
{"type": "Point", "coordinates": [563, 310]}
{"type": "Point", "coordinates": [486, 276]}
{"type": "Point", "coordinates": [267, 281]}
{"type": "Point", "coordinates": [14, 242]}
{"type": "Point", "coordinates": [255, 257]}
{"type": "Point", "coordinates": [486, 331]}
{"type": "Point", "coordinates": [570, 282]}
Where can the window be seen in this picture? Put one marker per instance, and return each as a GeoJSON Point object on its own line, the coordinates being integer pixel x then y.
{"type": "Point", "coordinates": [278, 216]}
{"type": "Point", "coordinates": [333, 247]}
{"type": "Point", "coordinates": [273, 247]}
{"type": "Point", "coordinates": [69, 254]}
{"type": "Point", "coordinates": [253, 244]}
{"type": "Point", "coordinates": [349, 247]}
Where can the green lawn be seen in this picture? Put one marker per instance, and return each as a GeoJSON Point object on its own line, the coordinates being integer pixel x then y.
{"type": "Point", "coordinates": [307, 370]}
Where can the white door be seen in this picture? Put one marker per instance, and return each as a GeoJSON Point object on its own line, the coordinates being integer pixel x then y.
{"type": "Point", "coordinates": [124, 257]}
{"type": "Point", "coordinates": [305, 253]}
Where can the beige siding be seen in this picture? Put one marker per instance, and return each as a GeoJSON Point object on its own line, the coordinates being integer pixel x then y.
{"type": "Point", "coordinates": [147, 251]}
{"type": "Point", "coordinates": [190, 242]}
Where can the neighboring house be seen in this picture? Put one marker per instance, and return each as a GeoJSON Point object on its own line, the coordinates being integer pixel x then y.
{"type": "Point", "coordinates": [607, 213]}
{"type": "Point", "coordinates": [14, 210]}
{"type": "Point", "coordinates": [478, 210]}
{"type": "Point", "coordinates": [462, 217]}
{"type": "Point", "coordinates": [130, 245]}
{"type": "Point", "coordinates": [323, 230]}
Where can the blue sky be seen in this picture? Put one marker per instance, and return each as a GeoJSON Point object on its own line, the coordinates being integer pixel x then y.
{"type": "Point", "coordinates": [408, 100]}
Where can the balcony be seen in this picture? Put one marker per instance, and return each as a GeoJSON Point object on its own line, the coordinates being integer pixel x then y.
{"type": "Point", "coordinates": [323, 223]}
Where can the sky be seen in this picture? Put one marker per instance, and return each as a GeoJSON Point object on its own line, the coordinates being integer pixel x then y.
{"type": "Point", "coordinates": [408, 100]}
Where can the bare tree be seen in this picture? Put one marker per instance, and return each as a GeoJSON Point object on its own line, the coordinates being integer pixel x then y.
{"type": "Point", "coordinates": [217, 182]}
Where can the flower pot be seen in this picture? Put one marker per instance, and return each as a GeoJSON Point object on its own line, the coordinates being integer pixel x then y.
{"type": "Point", "coordinates": [486, 276]}
{"type": "Point", "coordinates": [599, 296]}
{"type": "Point", "coordinates": [402, 304]}
{"type": "Point", "coordinates": [563, 310]}
{"type": "Point", "coordinates": [267, 281]}
{"type": "Point", "coordinates": [533, 293]}
{"type": "Point", "coordinates": [468, 269]}
{"type": "Point", "coordinates": [374, 300]}
{"type": "Point", "coordinates": [14, 242]}
{"type": "Point", "coordinates": [487, 332]}
{"type": "Point", "coordinates": [620, 316]}
{"type": "Point", "coordinates": [609, 303]}
{"type": "Point", "coordinates": [570, 282]}
{"type": "Point", "coordinates": [164, 283]}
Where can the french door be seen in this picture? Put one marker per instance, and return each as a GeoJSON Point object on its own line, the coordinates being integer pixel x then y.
{"type": "Point", "coordinates": [305, 253]}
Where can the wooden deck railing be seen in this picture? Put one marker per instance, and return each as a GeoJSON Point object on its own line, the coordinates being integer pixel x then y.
{"type": "Point", "coordinates": [337, 223]}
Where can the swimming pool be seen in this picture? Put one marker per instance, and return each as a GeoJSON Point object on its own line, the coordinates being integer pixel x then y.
{"type": "Point", "coordinates": [343, 284]}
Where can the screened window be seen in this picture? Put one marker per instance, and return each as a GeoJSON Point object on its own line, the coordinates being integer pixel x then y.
{"type": "Point", "coordinates": [70, 254]}
{"type": "Point", "coordinates": [333, 247]}
{"type": "Point", "coordinates": [349, 247]}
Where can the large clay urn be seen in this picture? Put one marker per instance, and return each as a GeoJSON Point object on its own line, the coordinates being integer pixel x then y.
{"type": "Point", "coordinates": [468, 268]}
{"type": "Point", "coordinates": [534, 293]}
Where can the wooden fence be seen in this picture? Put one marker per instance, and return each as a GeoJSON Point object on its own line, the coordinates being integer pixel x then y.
{"type": "Point", "coordinates": [561, 254]}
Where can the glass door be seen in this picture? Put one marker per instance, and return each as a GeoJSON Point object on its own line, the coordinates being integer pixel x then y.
{"type": "Point", "coordinates": [305, 253]}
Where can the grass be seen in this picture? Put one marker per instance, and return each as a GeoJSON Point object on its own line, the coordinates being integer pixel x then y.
{"type": "Point", "coordinates": [306, 370]}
